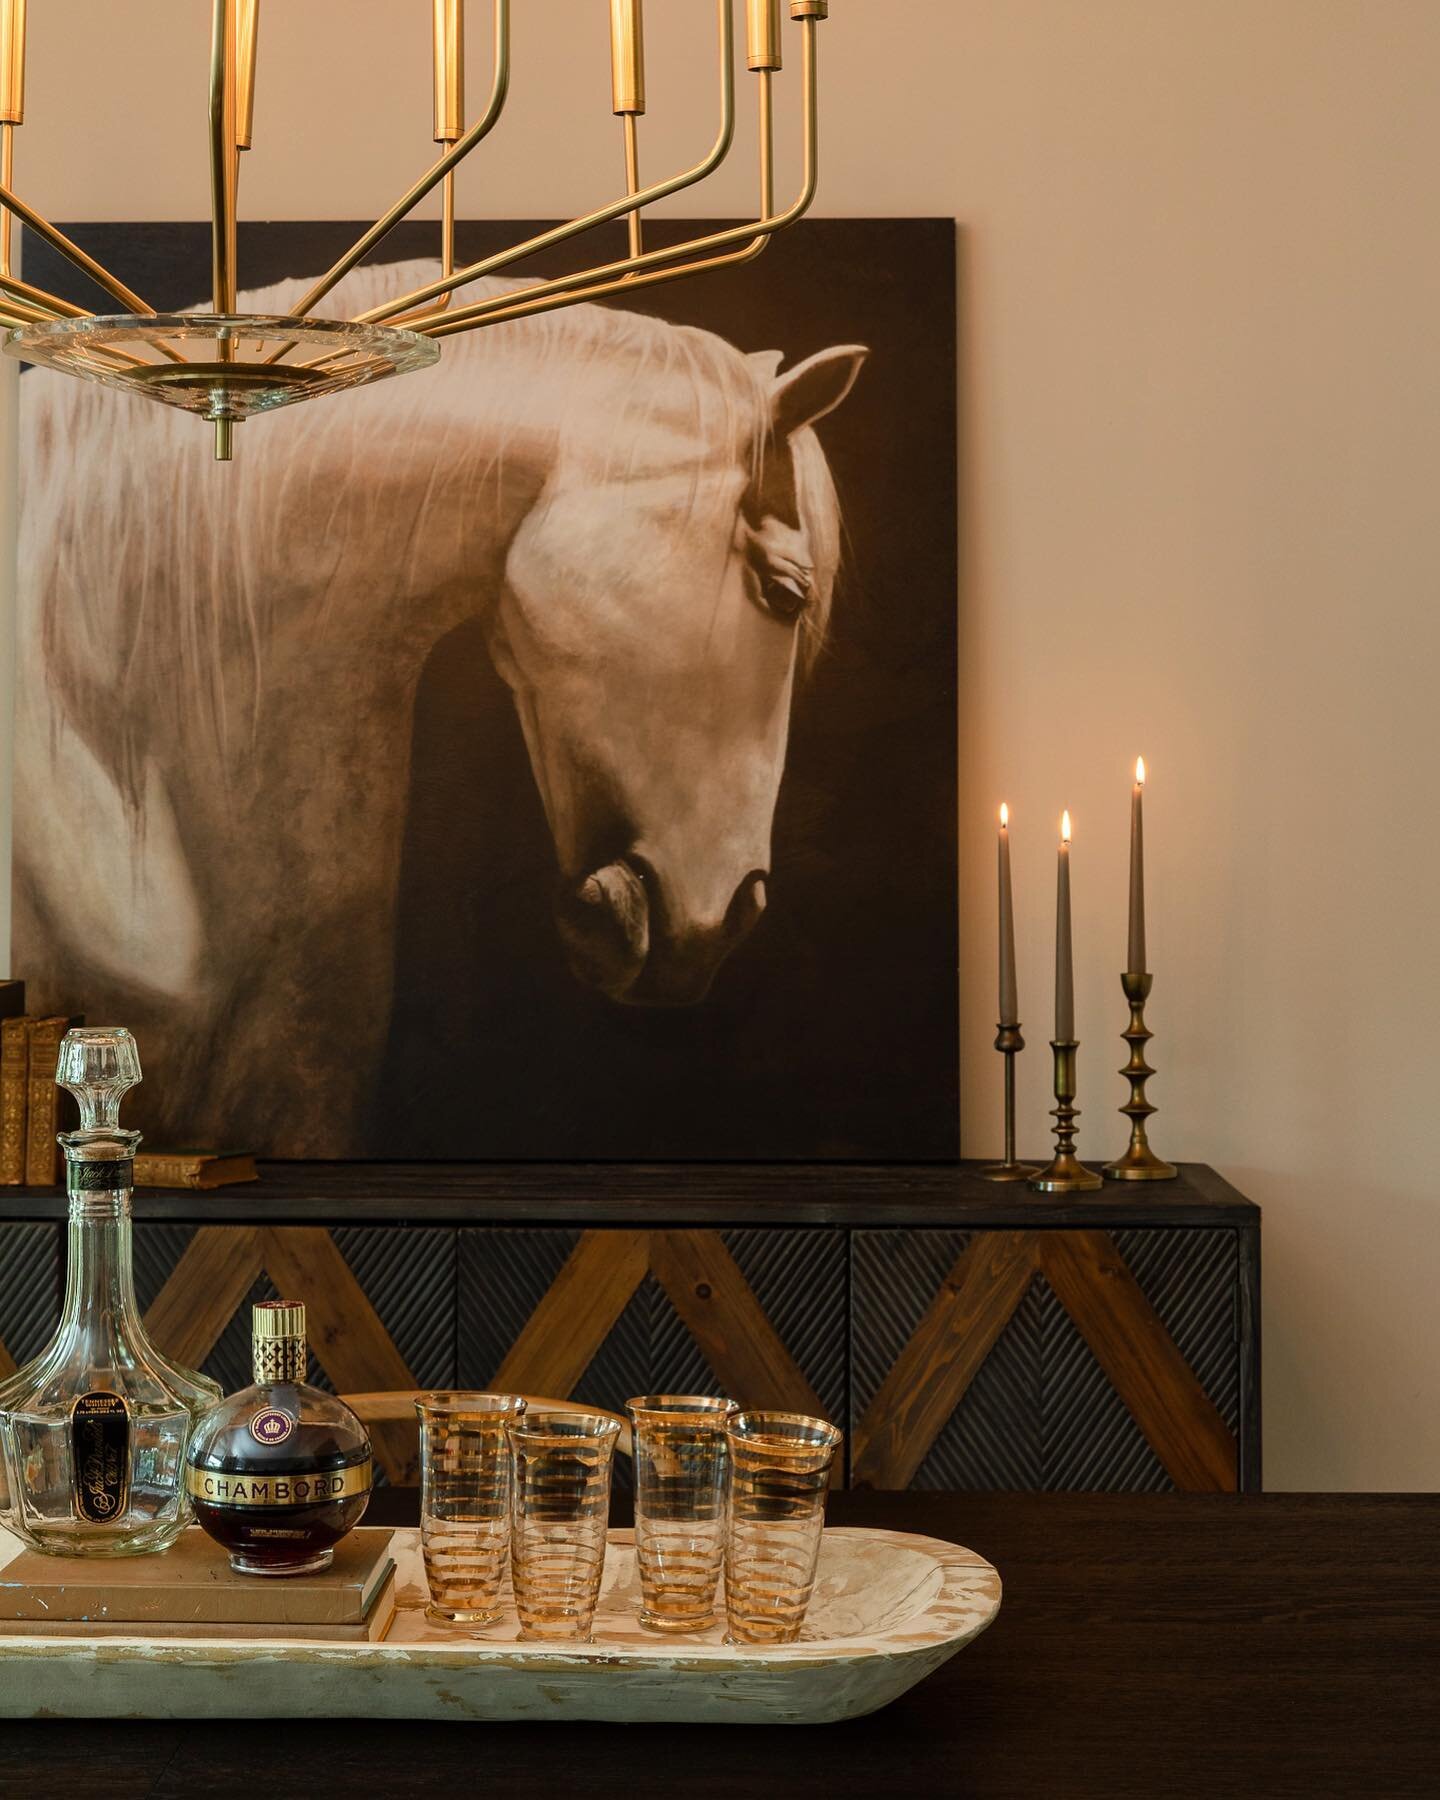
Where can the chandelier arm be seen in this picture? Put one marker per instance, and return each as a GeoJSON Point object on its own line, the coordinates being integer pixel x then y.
{"type": "Point", "coordinates": [625, 284]}
{"type": "Point", "coordinates": [7, 179]}
{"type": "Point", "coordinates": [407, 202]}
{"type": "Point", "coordinates": [51, 304]}
{"type": "Point", "coordinates": [72, 252]}
{"type": "Point", "coordinates": [499, 306]}
{"type": "Point", "coordinates": [632, 182]}
{"type": "Point", "coordinates": [559, 234]}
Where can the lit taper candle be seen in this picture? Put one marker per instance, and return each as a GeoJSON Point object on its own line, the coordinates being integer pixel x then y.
{"type": "Point", "coordinates": [1064, 958]}
{"type": "Point", "coordinates": [1135, 956]}
{"type": "Point", "coordinates": [1009, 1005]}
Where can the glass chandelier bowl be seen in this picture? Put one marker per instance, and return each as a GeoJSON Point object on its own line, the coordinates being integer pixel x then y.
{"type": "Point", "coordinates": [223, 366]}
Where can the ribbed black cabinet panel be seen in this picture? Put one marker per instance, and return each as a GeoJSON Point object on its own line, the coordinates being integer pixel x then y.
{"type": "Point", "coordinates": [1041, 1413]}
{"type": "Point", "coordinates": [31, 1277]}
{"type": "Point", "coordinates": [798, 1277]}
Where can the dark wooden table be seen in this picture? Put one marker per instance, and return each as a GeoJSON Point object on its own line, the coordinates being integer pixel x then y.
{"type": "Point", "coordinates": [1149, 1646]}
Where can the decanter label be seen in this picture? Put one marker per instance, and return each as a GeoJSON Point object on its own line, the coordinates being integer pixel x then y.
{"type": "Point", "coordinates": [272, 1425]}
{"type": "Point", "coordinates": [100, 1456]}
{"type": "Point", "coordinates": [220, 1488]}
{"type": "Point", "coordinates": [98, 1177]}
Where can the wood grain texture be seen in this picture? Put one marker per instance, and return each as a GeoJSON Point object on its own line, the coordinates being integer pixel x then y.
{"type": "Point", "coordinates": [720, 1311]}
{"type": "Point", "coordinates": [199, 1298]}
{"type": "Point", "coordinates": [1180, 1422]}
{"type": "Point", "coordinates": [346, 1334]}
{"type": "Point", "coordinates": [664, 1195]}
{"type": "Point", "coordinates": [576, 1315]}
{"type": "Point", "coordinates": [929, 1378]}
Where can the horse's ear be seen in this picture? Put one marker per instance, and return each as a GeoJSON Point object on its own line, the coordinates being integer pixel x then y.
{"type": "Point", "coordinates": [814, 387]}
{"type": "Point", "coordinates": [766, 363]}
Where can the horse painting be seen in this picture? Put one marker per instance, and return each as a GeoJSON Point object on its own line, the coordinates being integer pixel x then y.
{"type": "Point", "coordinates": [217, 669]}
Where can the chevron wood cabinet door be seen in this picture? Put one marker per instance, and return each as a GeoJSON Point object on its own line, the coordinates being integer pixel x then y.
{"type": "Point", "coordinates": [757, 1313]}
{"type": "Point", "coordinates": [380, 1305]}
{"type": "Point", "coordinates": [1051, 1359]}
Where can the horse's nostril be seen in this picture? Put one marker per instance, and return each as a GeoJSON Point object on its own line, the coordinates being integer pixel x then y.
{"type": "Point", "coordinates": [604, 924]}
{"type": "Point", "coordinates": [746, 906]}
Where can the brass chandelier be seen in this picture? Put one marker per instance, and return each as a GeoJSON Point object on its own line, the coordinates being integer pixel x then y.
{"type": "Point", "coordinates": [227, 366]}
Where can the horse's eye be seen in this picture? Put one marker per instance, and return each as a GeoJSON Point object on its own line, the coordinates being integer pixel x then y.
{"type": "Point", "coordinates": [784, 596]}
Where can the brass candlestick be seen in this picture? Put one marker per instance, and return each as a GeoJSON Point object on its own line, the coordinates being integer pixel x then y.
{"type": "Point", "coordinates": [1139, 1163]}
{"type": "Point", "coordinates": [1065, 1174]}
{"type": "Point", "coordinates": [1009, 1043]}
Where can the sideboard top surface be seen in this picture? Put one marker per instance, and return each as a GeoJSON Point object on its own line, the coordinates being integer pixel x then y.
{"type": "Point", "coordinates": [835, 1194]}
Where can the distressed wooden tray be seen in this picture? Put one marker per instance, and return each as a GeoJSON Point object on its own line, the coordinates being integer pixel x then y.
{"type": "Point", "coordinates": [888, 1609]}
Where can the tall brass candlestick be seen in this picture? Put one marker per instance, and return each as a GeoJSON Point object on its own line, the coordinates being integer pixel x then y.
{"type": "Point", "coordinates": [1008, 1040]}
{"type": "Point", "coordinates": [1139, 1163]}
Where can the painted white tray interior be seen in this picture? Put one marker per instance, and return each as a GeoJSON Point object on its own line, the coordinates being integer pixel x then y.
{"type": "Point", "coordinates": [888, 1610]}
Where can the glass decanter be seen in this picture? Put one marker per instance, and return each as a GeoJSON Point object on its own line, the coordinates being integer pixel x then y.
{"type": "Point", "coordinates": [93, 1431]}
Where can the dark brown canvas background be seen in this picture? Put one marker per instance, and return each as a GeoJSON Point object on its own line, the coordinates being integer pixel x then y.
{"type": "Point", "coordinates": [832, 1032]}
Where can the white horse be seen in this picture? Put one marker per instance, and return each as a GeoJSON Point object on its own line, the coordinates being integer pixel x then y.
{"type": "Point", "coordinates": [217, 667]}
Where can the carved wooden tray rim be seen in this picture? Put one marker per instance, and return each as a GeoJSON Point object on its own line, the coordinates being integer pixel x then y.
{"type": "Point", "coordinates": [940, 1597]}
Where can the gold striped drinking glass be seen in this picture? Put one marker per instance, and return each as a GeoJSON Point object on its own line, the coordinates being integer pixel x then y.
{"type": "Point", "coordinates": [682, 1467]}
{"type": "Point", "coordinates": [560, 1506]}
{"type": "Point", "coordinates": [465, 1502]}
{"type": "Point", "coordinates": [779, 1472]}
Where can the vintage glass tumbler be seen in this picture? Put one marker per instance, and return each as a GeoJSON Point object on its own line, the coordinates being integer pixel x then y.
{"type": "Point", "coordinates": [560, 1505]}
{"type": "Point", "coordinates": [465, 1502]}
{"type": "Point", "coordinates": [682, 1469]}
{"type": "Point", "coordinates": [779, 1473]}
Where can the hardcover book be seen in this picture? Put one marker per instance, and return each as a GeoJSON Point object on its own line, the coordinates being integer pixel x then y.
{"type": "Point", "coordinates": [14, 1091]}
{"type": "Point", "coordinates": [192, 1585]}
{"type": "Point", "coordinates": [193, 1168]}
{"type": "Point", "coordinates": [42, 1153]}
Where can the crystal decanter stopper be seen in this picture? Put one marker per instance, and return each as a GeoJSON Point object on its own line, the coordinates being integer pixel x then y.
{"type": "Point", "coordinates": [93, 1432]}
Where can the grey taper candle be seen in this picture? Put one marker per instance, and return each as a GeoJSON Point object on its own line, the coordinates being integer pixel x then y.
{"type": "Point", "coordinates": [1064, 957]}
{"type": "Point", "coordinates": [1009, 1004]}
{"type": "Point", "coordinates": [1135, 954]}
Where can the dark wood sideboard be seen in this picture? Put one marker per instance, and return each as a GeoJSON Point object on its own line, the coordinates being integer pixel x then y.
{"type": "Point", "coordinates": [967, 1335]}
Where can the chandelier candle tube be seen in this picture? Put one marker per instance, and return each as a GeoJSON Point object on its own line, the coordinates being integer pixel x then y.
{"type": "Point", "coordinates": [12, 62]}
{"type": "Point", "coordinates": [449, 71]}
{"type": "Point", "coordinates": [247, 24]}
{"type": "Point", "coordinates": [627, 56]}
{"type": "Point", "coordinates": [762, 34]}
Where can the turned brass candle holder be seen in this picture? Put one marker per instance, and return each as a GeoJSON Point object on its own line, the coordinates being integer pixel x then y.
{"type": "Point", "coordinates": [1065, 1173]}
{"type": "Point", "coordinates": [1009, 1043]}
{"type": "Point", "coordinates": [1139, 1163]}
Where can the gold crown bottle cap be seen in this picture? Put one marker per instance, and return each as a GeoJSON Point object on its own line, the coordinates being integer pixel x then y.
{"type": "Point", "coordinates": [278, 1319]}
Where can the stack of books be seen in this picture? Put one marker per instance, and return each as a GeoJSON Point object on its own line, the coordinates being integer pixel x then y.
{"type": "Point", "coordinates": [190, 1591]}
{"type": "Point", "coordinates": [30, 1102]}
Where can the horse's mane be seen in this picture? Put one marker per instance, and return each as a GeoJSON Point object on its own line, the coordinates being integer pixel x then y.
{"type": "Point", "coordinates": [142, 585]}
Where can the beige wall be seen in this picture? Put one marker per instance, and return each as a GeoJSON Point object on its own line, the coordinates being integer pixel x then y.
{"type": "Point", "coordinates": [1201, 405]}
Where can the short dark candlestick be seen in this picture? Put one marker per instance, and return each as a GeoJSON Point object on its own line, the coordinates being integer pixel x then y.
{"type": "Point", "coordinates": [1139, 1163]}
{"type": "Point", "coordinates": [1009, 1043]}
{"type": "Point", "coordinates": [1065, 1173]}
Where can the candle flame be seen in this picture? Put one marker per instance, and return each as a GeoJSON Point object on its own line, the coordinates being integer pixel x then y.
{"type": "Point", "coordinates": [1065, 827]}
{"type": "Point", "coordinates": [1004, 815]}
{"type": "Point", "coordinates": [1140, 770]}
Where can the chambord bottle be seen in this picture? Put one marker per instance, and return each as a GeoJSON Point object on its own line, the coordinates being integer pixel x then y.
{"type": "Point", "coordinates": [93, 1432]}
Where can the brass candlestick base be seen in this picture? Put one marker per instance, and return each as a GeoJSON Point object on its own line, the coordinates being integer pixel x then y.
{"type": "Point", "coordinates": [1065, 1173]}
{"type": "Point", "coordinates": [1139, 1163]}
{"type": "Point", "coordinates": [1009, 1043]}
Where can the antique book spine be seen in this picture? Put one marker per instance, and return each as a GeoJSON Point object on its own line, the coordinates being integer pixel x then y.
{"type": "Point", "coordinates": [191, 1169]}
{"type": "Point", "coordinates": [14, 1085]}
{"type": "Point", "coordinates": [42, 1153]}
